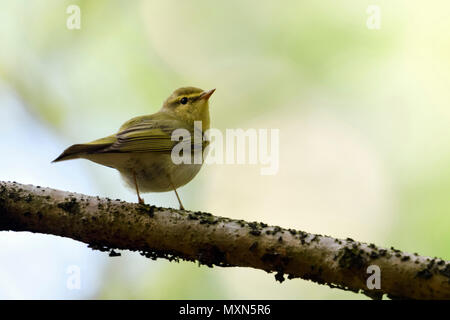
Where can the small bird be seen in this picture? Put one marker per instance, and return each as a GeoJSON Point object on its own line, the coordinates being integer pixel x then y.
{"type": "Point", "coordinates": [141, 149]}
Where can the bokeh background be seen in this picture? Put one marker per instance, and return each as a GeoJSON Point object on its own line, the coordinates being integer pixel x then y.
{"type": "Point", "coordinates": [363, 116]}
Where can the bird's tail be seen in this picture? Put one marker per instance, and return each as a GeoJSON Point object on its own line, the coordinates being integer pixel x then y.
{"type": "Point", "coordinates": [78, 150]}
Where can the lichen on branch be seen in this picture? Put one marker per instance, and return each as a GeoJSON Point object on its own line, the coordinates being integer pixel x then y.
{"type": "Point", "coordinates": [109, 225]}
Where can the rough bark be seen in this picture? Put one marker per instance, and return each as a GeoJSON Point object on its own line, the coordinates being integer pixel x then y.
{"type": "Point", "coordinates": [107, 224]}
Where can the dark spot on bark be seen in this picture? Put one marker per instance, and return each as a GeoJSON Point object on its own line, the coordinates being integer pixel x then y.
{"type": "Point", "coordinates": [424, 274]}
{"type": "Point", "coordinates": [351, 258]}
{"type": "Point", "coordinates": [147, 209]}
{"type": "Point", "coordinates": [253, 225]}
{"type": "Point", "coordinates": [279, 276]}
{"type": "Point", "coordinates": [70, 206]}
{"type": "Point", "coordinates": [302, 236]}
{"type": "Point", "coordinates": [210, 255]}
{"type": "Point", "coordinates": [207, 218]}
{"type": "Point", "coordinates": [113, 253]}
{"type": "Point", "coordinates": [192, 217]}
{"type": "Point", "coordinates": [155, 254]}
{"type": "Point", "coordinates": [405, 258]}
{"type": "Point", "coordinates": [276, 229]}
{"type": "Point", "coordinates": [100, 247]}
{"type": "Point", "coordinates": [446, 271]}
{"type": "Point", "coordinates": [255, 229]}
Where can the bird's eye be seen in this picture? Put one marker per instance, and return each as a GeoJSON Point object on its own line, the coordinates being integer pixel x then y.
{"type": "Point", "coordinates": [184, 100]}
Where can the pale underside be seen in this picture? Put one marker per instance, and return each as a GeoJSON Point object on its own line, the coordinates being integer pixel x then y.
{"type": "Point", "coordinates": [155, 171]}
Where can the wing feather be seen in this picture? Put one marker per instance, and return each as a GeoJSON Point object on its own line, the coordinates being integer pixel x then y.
{"type": "Point", "coordinates": [150, 135]}
{"type": "Point", "coordinates": [143, 134]}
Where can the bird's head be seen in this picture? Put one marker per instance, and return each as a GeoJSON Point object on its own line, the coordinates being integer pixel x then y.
{"type": "Point", "coordinates": [189, 104]}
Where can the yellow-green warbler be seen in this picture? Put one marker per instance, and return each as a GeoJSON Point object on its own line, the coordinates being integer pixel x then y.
{"type": "Point", "coordinates": [141, 150]}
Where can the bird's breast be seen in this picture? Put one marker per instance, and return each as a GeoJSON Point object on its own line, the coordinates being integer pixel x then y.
{"type": "Point", "coordinates": [156, 172]}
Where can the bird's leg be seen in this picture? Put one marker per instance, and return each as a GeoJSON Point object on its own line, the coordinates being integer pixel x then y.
{"type": "Point", "coordinates": [176, 193]}
{"type": "Point", "coordinates": [178, 197]}
{"type": "Point", "coordinates": [141, 201]}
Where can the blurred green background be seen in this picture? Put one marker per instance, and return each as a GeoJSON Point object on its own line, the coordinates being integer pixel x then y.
{"type": "Point", "coordinates": [363, 116]}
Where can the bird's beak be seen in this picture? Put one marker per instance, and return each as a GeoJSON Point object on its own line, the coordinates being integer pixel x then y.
{"type": "Point", "coordinates": [206, 94]}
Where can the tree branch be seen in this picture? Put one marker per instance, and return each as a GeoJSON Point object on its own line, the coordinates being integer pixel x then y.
{"type": "Point", "coordinates": [107, 224]}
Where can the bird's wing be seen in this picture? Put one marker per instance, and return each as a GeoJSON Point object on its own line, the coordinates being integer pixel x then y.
{"type": "Point", "coordinates": [143, 134]}
{"type": "Point", "coordinates": [150, 135]}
